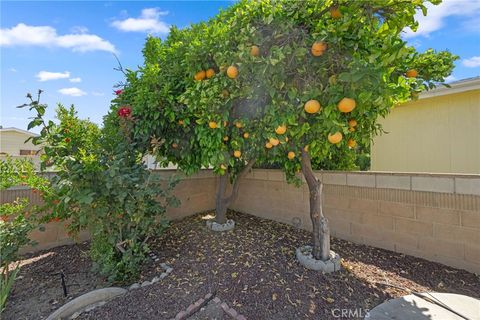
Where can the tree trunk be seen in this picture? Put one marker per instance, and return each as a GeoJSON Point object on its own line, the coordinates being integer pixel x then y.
{"type": "Point", "coordinates": [220, 205]}
{"type": "Point", "coordinates": [321, 231]}
{"type": "Point", "coordinates": [222, 202]}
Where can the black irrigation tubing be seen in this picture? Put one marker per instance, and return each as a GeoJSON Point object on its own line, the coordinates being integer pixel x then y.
{"type": "Point", "coordinates": [430, 299]}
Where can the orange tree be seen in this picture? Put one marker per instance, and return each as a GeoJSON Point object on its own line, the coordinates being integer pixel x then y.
{"type": "Point", "coordinates": [278, 82]}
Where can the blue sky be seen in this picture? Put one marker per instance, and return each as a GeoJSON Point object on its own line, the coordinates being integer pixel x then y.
{"type": "Point", "coordinates": [66, 47]}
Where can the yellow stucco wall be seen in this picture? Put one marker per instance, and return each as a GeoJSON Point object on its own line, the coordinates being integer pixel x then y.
{"type": "Point", "coordinates": [437, 134]}
{"type": "Point", "coordinates": [11, 142]}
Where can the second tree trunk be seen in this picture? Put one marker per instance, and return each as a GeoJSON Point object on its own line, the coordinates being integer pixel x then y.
{"type": "Point", "coordinates": [321, 230]}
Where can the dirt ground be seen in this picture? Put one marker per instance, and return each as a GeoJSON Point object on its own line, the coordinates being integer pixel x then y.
{"type": "Point", "coordinates": [252, 268]}
{"type": "Point", "coordinates": [38, 290]}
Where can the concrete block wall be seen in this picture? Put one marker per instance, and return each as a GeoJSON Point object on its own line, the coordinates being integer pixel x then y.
{"type": "Point", "coordinates": [433, 216]}
{"type": "Point", "coordinates": [196, 194]}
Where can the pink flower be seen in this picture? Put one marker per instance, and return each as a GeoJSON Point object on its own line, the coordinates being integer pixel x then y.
{"type": "Point", "coordinates": [118, 92]}
{"type": "Point", "coordinates": [124, 112]}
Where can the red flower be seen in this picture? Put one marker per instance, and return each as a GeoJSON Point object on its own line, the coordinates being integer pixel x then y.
{"type": "Point", "coordinates": [124, 112]}
{"type": "Point", "coordinates": [118, 92]}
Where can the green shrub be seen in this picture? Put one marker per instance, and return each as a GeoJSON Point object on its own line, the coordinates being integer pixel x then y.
{"type": "Point", "coordinates": [102, 185]}
{"type": "Point", "coordinates": [17, 218]}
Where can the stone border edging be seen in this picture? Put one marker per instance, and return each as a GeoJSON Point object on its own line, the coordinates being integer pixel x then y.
{"type": "Point", "coordinates": [214, 226]}
{"type": "Point", "coordinates": [145, 283]}
{"type": "Point", "coordinates": [99, 297]}
{"type": "Point", "coordinates": [197, 305]}
{"type": "Point", "coordinates": [83, 302]}
{"type": "Point", "coordinates": [307, 260]}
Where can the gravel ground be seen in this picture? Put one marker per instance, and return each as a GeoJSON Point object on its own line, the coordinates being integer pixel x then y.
{"type": "Point", "coordinates": [253, 269]}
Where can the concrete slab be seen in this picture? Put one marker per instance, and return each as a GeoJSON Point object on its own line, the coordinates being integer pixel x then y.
{"type": "Point", "coordinates": [412, 307]}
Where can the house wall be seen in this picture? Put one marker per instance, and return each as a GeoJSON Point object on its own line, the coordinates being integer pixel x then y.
{"type": "Point", "coordinates": [436, 134]}
{"type": "Point", "coordinates": [433, 216]}
{"type": "Point", "coordinates": [11, 142]}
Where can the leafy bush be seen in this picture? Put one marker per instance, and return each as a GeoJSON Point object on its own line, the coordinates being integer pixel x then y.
{"type": "Point", "coordinates": [102, 186]}
{"type": "Point", "coordinates": [17, 218]}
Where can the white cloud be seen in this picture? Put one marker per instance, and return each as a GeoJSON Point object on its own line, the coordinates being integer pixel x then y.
{"type": "Point", "coordinates": [46, 75]}
{"type": "Point", "coordinates": [79, 29]}
{"type": "Point", "coordinates": [435, 19]}
{"type": "Point", "coordinates": [46, 36]}
{"type": "Point", "coordinates": [98, 94]}
{"type": "Point", "coordinates": [149, 21]}
{"type": "Point", "coordinates": [74, 92]}
{"type": "Point", "coordinates": [472, 62]}
{"type": "Point", "coordinates": [12, 70]}
{"type": "Point", "coordinates": [450, 79]}
{"type": "Point", "coordinates": [75, 79]}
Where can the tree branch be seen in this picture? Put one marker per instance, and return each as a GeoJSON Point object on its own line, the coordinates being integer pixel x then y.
{"type": "Point", "coordinates": [236, 185]}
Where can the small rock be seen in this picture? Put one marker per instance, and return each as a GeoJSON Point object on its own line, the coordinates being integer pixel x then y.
{"type": "Point", "coordinates": [232, 312]}
{"type": "Point", "coordinates": [169, 270]}
{"type": "Point", "coordinates": [163, 275]}
{"type": "Point", "coordinates": [216, 300]}
{"type": "Point", "coordinates": [134, 286]}
{"type": "Point", "coordinates": [224, 306]}
{"type": "Point", "coordinates": [164, 265]}
{"type": "Point", "coordinates": [199, 302]}
{"type": "Point", "coordinates": [181, 315]}
{"type": "Point", "coordinates": [146, 283]}
{"type": "Point", "coordinates": [157, 259]}
{"type": "Point", "coordinates": [208, 296]}
{"type": "Point", "coordinates": [190, 309]}
{"type": "Point", "coordinates": [155, 279]}
{"type": "Point", "coordinates": [75, 315]}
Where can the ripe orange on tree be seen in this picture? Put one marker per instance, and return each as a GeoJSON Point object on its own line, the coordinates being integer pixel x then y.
{"type": "Point", "coordinates": [246, 135]}
{"type": "Point", "coordinates": [412, 73]}
{"type": "Point", "coordinates": [174, 145]}
{"type": "Point", "coordinates": [225, 138]}
{"type": "Point", "coordinates": [254, 51]}
{"type": "Point", "coordinates": [291, 155]}
{"type": "Point", "coordinates": [352, 123]}
{"type": "Point", "coordinates": [312, 106]}
{"type": "Point", "coordinates": [237, 153]}
{"type": "Point", "coordinates": [180, 122]}
{"type": "Point", "coordinates": [335, 13]}
{"type": "Point", "coordinates": [274, 141]}
{"type": "Point", "coordinates": [318, 48]}
{"type": "Point", "coordinates": [212, 124]}
{"type": "Point", "coordinates": [351, 143]}
{"type": "Point", "coordinates": [238, 124]}
{"type": "Point", "coordinates": [268, 145]}
{"type": "Point", "coordinates": [281, 129]}
{"type": "Point", "coordinates": [210, 73]}
{"type": "Point", "coordinates": [346, 105]}
{"type": "Point", "coordinates": [232, 72]}
{"type": "Point", "coordinates": [200, 75]}
{"type": "Point", "coordinates": [335, 138]}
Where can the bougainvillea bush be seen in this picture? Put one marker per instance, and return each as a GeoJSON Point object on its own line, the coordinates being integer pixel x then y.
{"type": "Point", "coordinates": [17, 218]}
{"type": "Point", "coordinates": [101, 185]}
{"type": "Point", "coordinates": [288, 83]}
